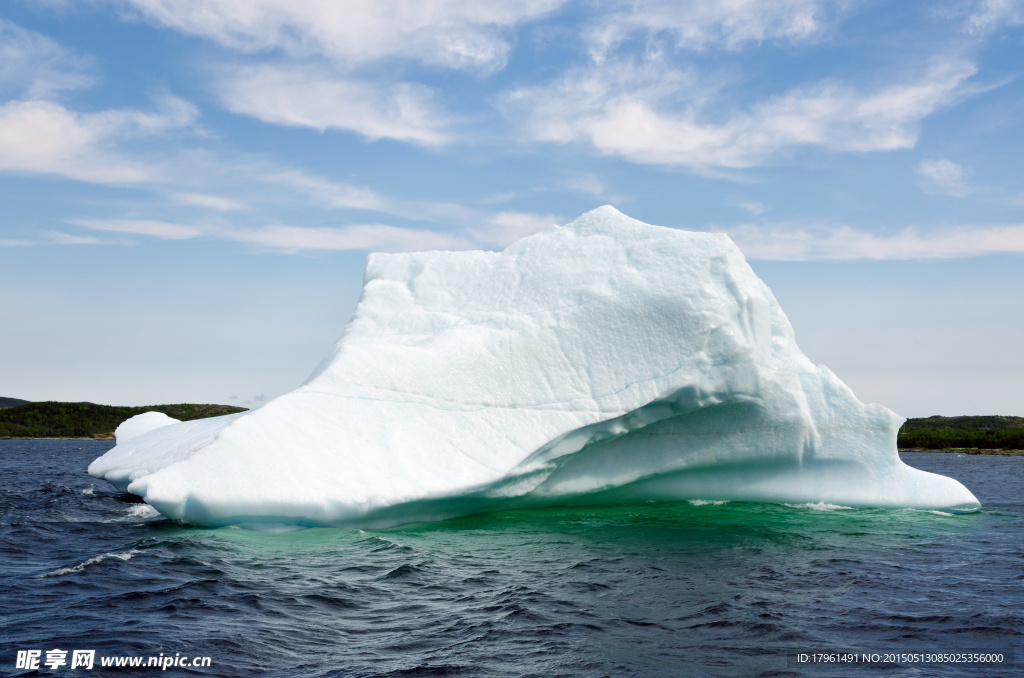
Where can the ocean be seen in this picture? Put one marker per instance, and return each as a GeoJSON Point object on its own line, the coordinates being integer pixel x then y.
{"type": "Point", "coordinates": [657, 589]}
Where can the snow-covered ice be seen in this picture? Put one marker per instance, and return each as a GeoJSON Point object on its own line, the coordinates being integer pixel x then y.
{"type": "Point", "coordinates": [142, 423]}
{"type": "Point", "coordinates": [603, 361]}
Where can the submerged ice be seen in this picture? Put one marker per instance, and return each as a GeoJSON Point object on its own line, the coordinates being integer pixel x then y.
{"type": "Point", "coordinates": [603, 361]}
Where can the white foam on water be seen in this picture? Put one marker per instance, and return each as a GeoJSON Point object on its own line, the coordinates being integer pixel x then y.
{"type": "Point", "coordinates": [820, 506]}
{"type": "Point", "coordinates": [136, 512]}
{"type": "Point", "coordinates": [126, 555]}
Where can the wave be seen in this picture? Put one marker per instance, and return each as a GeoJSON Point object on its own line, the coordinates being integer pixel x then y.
{"type": "Point", "coordinates": [124, 556]}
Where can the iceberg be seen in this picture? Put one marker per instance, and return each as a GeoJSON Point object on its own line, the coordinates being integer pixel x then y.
{"type": "Point", "coordinates": [142, 423]}
{"type": "Point", "coordinates": [602, 361]}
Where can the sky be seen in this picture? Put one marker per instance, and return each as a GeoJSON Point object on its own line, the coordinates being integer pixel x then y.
{"type": "Point", "coordinates": [189, 188]}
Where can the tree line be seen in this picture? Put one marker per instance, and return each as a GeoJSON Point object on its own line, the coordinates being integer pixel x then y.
{"type": "Point", "coordinates": [981, 432]}
{"type": "Point", "coordinates": [88, 420]}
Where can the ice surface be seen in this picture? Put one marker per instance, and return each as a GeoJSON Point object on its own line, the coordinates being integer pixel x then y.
{"type": "Point", "coordinates": [603, 361]}
{"type": "Point", "coordinates": [142, 423]}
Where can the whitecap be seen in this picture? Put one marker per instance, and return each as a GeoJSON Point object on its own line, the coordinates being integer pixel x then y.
{"type": "Point", "coordinates": [136, 512]}
{"type": "Point", "coordinates": [127, 555]}
{"type": "Point", "coordinates": [936, 512]}
{"type": "Point", "coordinates": [821, 506]}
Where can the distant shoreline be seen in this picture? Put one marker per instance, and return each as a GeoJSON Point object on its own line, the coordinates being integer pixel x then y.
{"type": "Point", "coordinates": [101, 438]}
{"type": "Point", "coordinates": [973, 451]}
{"type": "Point", "coordinates": [962, 450]}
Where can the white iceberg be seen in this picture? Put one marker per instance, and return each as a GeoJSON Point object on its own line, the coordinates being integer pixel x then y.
{"type": "Point", "coordinates": [603, 361]}
{"type": "Point", "coordinates": [142, 423]}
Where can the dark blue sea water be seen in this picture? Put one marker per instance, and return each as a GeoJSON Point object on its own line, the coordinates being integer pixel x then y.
{"type": "Point", "coordinates": [647, 590]}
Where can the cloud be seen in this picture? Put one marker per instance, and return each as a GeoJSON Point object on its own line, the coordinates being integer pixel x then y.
{"type": "Point", "coordinates": [214, 202]}
{"type": "Point", "coordinates": [44, 137]}
{"type": "Point", "coordinates": [157, 229]}
{"type": "Point", "coordinates": [943, 177]}
{"type": "Point", "coordinates": [68, 239]}
{"type": "Point", "coordinates": [754, 207]}
{"type": "Point", "coordinates": [460, 34]}
{"type": "Point", "coordinates": [374, 237]}
{"type": "Point", "coordinates": [340, 195]}
{"type": "Point", "coordinates": [332, 194]}
{"type": "Point", "coordinates": [587, 183]}
{"type": "Point", "coordinates": [10, 242]}
{"type": "Point", "coordinates": [505, 228]}
{"type": "Point", "coordinates": [701, 24]}
{"type": "Point", "coordinates": [990, 15]}
{"type": "Point", "coordinates": [288, 239]}
{"type": "Point", "coordinates": [845, 243]}
{"type": "Point", "coordinates": [304, 96]}
{"type": "Point", "coordinates": [497, 230]}
{"type": "Point", "coordinates": [36, 66]}
{"type": "Point", "coordinates": [652, 114]}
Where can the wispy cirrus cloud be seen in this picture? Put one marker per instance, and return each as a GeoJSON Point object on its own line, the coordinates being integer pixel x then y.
{"type": "Point", "coordinates": [157, 229]}
{"type": "Point", "coordinates": [702, 24]}
{"type": "Point", "coordinates": [943, 177]}
{"type": "Point", "coordinates": [988, 15]}
{"type": "Point", "coordinates": [286, 239]}
{"type": "Point", "coordinates": [653, 114]}
{"type": "Point", "coordinates": [843, 243]}
{"type": "Point", "coordinates": [370, 237]}
{"type": "Point", "coordinates": [214, 202]}
{"type": "Point", "coordinates": [332, 194]}
{"type": "Point", "coordinates": [459, 34]}
{"type": "Point", "coordinates": [313, 97]}
{"type": "Point", "coordinates": [496, 230]}
{"type": "Point", "coordinates": [778, 242]}
{"type": "Point", "coordinates": [37, 67]}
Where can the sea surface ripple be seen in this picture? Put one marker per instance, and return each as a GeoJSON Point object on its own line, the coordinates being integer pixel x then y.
{"type": "Point", "coordinates": [692, 589]}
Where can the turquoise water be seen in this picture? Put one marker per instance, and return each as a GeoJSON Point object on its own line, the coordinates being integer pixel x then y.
{"type": "Point", "coordinates": [653, 589]}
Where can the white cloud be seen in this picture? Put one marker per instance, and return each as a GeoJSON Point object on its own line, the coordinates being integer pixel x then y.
{"type": "Point", "coordinates": [10, 242]}
{"type": "Point", "coordinates": [497, 230]}
{"type": "Point", "coordinates": [36, 66]}
{"type": "Point", "coordinates": [215, 202]}
{"type": "Point", "coordinates": [157, 229]}
{"type": "Point", "coordinates": [340, 195]}
{"type": "Point", "coordinates": [45, 137]}
{"type": "Point", "coordinates": [700, 24]}
{"type": "Point", "coordinates": [463, 34]}
{"type": "Point", "coordinates": [504, 228]}
{"type": "Point", "coordinates": [845, 243]}
{"type": "Point", "coordinates": [943, 177]}
{"type": "Point", "coordinates": [69, 239]}
{"type": "Point", "coordinates": [330, 193]}
{"type": "Point", "coordinates": [587, 183]}
{"type": "Point", "coordinates": [299, 96]}
{"type": "Point", "coordinates": [374, 237]}
{"type": "Point", "coordinates": [754, 207]}
{"type": "Point", "coordinates": [288, 239]}
{"type": "Point", "coordinates": [989, 15]}
{"type": "Point", "coordinates": [653, 115]}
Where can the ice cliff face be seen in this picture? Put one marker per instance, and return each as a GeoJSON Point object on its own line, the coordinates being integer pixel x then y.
{"type": "Point", "coordinates": [606, 360]}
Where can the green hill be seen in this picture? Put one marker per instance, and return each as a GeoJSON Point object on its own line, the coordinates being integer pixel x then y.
{"type": "Point", "coordinates": [12, 402]}
{"type": "Point", "coordinates": [86, 420]}
{"type": "Point", "coordinates": [981, 432]}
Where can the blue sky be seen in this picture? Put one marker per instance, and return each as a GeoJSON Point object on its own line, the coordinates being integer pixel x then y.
{"type": "Point", "coordinates": [190, 187]}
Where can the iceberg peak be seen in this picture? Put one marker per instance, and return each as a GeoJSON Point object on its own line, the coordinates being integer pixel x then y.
{"type": "Point", "coordinates": [606, 360]}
